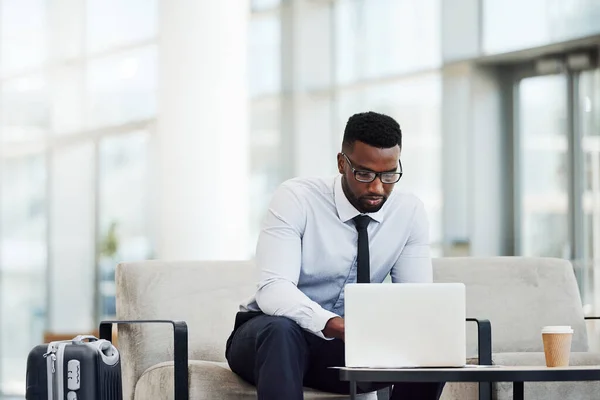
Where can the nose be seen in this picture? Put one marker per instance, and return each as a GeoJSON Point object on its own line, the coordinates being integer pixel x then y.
{"type": "Point", "coordinates": [376, 187]}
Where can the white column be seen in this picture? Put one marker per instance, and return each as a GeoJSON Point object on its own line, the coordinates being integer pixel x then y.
{"type": "Point", "coordinates": [202, 140]}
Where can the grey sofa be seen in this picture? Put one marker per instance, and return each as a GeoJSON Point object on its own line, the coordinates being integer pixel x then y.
{"type": "Point", "coordinates": [518, 296]}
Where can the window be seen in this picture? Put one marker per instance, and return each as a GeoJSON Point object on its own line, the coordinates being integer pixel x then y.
{"type": "Point", "coordinates": [266, 161]}
{"type": "Point", "coordinates": [67, 96]}
{"type": "Point", "coordinates": [544, 167]}
{"type": "Point", "coordinates": [348, 102]}
{"type": "Point", "coordinates": [76, 77]}
{"type": "Point", "coordinates": [262, 5]}
{"type": "Point", "coordinates": [113, 23]}
{"type": "Point", "coordinates": [66, 24]}
{"type": "Point", "coordinates": [24, 109]}
{"type": "Point", "coordinates": [590, 147]}
{"type": "Point", "coordinates": [544, 21]}
{"type": "Point", "coordinates": [22, 35]}
{"type": "Point", "coordinates": [23, 251]}
{"type": "Point", "coordinates": [123, 233]}
{"type": "Point", "coordinates": [264, 51]}
{"type": "Point", "coordinates": [416, 104]}
{"type": "Point", "coordinates": [72, 239]}
{"type": "Point", "coordinates": [316, 148]}
{"type": "Point", "coordinates": [122, 87]}
{"type": "Point", "coordinates": [384, 37]}
{"type": "Point", "coordinates": [314, 63]}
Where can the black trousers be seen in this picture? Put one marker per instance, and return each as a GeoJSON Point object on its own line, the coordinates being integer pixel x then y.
{"type": "Point", "coordinates": [279, 358]}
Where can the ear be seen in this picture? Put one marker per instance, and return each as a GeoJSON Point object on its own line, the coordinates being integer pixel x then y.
{"type": "Point", "coordinates": [340, 163]}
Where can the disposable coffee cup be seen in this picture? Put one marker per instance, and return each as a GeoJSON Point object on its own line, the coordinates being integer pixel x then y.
{"type": "Point", "coordinates": [557, 345]}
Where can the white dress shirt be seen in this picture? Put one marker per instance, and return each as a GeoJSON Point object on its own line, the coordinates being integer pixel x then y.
{"type": "Point", "coordinates": [307, 249]}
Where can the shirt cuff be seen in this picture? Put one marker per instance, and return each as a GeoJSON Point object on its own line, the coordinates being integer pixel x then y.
{"type": "Point", "coordinates": [320, 320]}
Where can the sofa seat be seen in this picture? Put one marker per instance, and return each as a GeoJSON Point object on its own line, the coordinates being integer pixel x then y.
{"type": "Point", "coordinates": [208, 381]}
{"type": "Point", "coordinates": [533, 390]}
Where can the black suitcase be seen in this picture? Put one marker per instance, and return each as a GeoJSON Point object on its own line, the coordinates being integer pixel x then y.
{"type": "Point", "coordinates": [74, 370]}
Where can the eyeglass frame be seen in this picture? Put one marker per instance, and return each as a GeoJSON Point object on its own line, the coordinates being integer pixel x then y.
{"type": "Point", "coordinates": [376, 174]}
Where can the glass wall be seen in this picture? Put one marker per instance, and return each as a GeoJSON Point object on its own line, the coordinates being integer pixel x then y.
{"type": "Point", "coordinates": [588, 102]}
{"type": "Point", "coordinates": [544, 166]}
{"type": "Point", "coordinates": [379, 55]}
{"type": "Point", "coordinates": [123, 224]}
{"type": "Point", "coordinates": [264, 86]}
{"type": "Point", "coordinates": [415, 102]}
{"type": "Point", "coordinates": [78, 107]}
{"type": "Point", "coordinates": [78, 85]}
{"type": "Point", "coordinates": [376, 38]}
{"type": "Point", "coordinates": [589, 114]}
{"type": "Point", "coordinates": [23, 245]}
{"type": "Point", "coordinates": [510, 25]}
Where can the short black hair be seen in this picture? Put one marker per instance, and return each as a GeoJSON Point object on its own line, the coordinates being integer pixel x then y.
{"type": "Point", "coordinates": [374, 129]}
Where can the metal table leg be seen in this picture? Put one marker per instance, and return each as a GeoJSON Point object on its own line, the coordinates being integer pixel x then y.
{"type": "Point", "coordinates": [352, 390]}
{"type": "Point", "coordinates": [518, 391]}
{"type": "Point", "coordinates": [485, 391]}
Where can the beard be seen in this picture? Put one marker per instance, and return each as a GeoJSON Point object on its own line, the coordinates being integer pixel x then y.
{"type": "Point", "coordinates": [369, 204]}
{"type": "Point", "coordinates": [365, 203]}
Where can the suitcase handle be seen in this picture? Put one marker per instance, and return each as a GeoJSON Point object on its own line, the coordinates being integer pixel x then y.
{"type": "Point", "coordinates": [80, 338]}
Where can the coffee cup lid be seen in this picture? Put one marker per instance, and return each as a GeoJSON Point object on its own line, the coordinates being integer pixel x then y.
{"type": "Point", "coordinates": [557, 329]}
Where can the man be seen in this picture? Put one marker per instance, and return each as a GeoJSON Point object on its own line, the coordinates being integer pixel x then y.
{"type": "Point", "coordinates": [290, 333]}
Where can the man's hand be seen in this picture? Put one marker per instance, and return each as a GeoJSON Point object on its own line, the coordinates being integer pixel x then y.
{"type": "Point", "coordinates": [334, 328]}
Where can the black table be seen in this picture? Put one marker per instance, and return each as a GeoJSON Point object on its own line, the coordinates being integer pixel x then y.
{"type": "Point", "coordinates": [516, 375]}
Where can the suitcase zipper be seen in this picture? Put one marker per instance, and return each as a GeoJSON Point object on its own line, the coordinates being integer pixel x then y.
{"type": "Point", "coordinates": [51, 371]}
{"type": "Point", "coordinates": [60, 383]}
{"type": "Point", "coordinates": [52, 360]}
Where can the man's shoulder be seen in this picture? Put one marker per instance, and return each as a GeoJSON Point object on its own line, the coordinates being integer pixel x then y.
{"type": "Point", "coordinates": [407, 197]}
{"type": "Point", "coordinates": [405, 200]}
{"type": "Point", "coordinates": [303, 187]}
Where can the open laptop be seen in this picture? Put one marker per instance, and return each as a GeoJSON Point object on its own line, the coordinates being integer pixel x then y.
{"type": "Point", "coordinates": [405, 325]}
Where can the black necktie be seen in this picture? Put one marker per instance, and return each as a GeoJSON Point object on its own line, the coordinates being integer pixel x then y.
{"type": "Point", "coordinates": [363, 274]}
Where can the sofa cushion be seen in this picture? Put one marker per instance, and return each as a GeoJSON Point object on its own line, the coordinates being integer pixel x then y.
{"type": "Point", "coordinates": [533, 390]}
{"type": "Point", "coordinates": [209, 381]}
{"type": "Point", "coordinates": [519, 296]}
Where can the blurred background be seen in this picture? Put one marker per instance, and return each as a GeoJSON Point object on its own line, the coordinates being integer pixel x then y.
{"type": "Point", "coordinates": [137, 129]}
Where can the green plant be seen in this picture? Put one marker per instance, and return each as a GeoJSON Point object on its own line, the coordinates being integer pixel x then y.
{"type": "Point", "coordinates": [110, 242]}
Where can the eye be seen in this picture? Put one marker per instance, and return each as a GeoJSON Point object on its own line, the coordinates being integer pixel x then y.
{"type": "Point", "coordinates": [390, 177]}
{"type": "Point", "coordinates": [365, 176]}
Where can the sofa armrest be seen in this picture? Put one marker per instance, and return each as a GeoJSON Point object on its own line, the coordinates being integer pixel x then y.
{"type": "Point", "coordinates": [484, 340]}
{"type": "Point", "coordinates": [484, 350]}
{"type": "Point", "coordinates": [180, 349]}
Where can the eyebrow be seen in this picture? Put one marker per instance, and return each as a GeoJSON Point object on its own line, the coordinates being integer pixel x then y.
{"type": "Point", "coordinates": [363, 168]}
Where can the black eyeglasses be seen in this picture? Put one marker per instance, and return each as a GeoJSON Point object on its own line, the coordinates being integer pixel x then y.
{"type": "Point", "coordinates": [369, 176]}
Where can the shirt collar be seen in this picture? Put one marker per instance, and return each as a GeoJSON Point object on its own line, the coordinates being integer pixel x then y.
{"type": "Point", "coordinates": [345, 209]}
